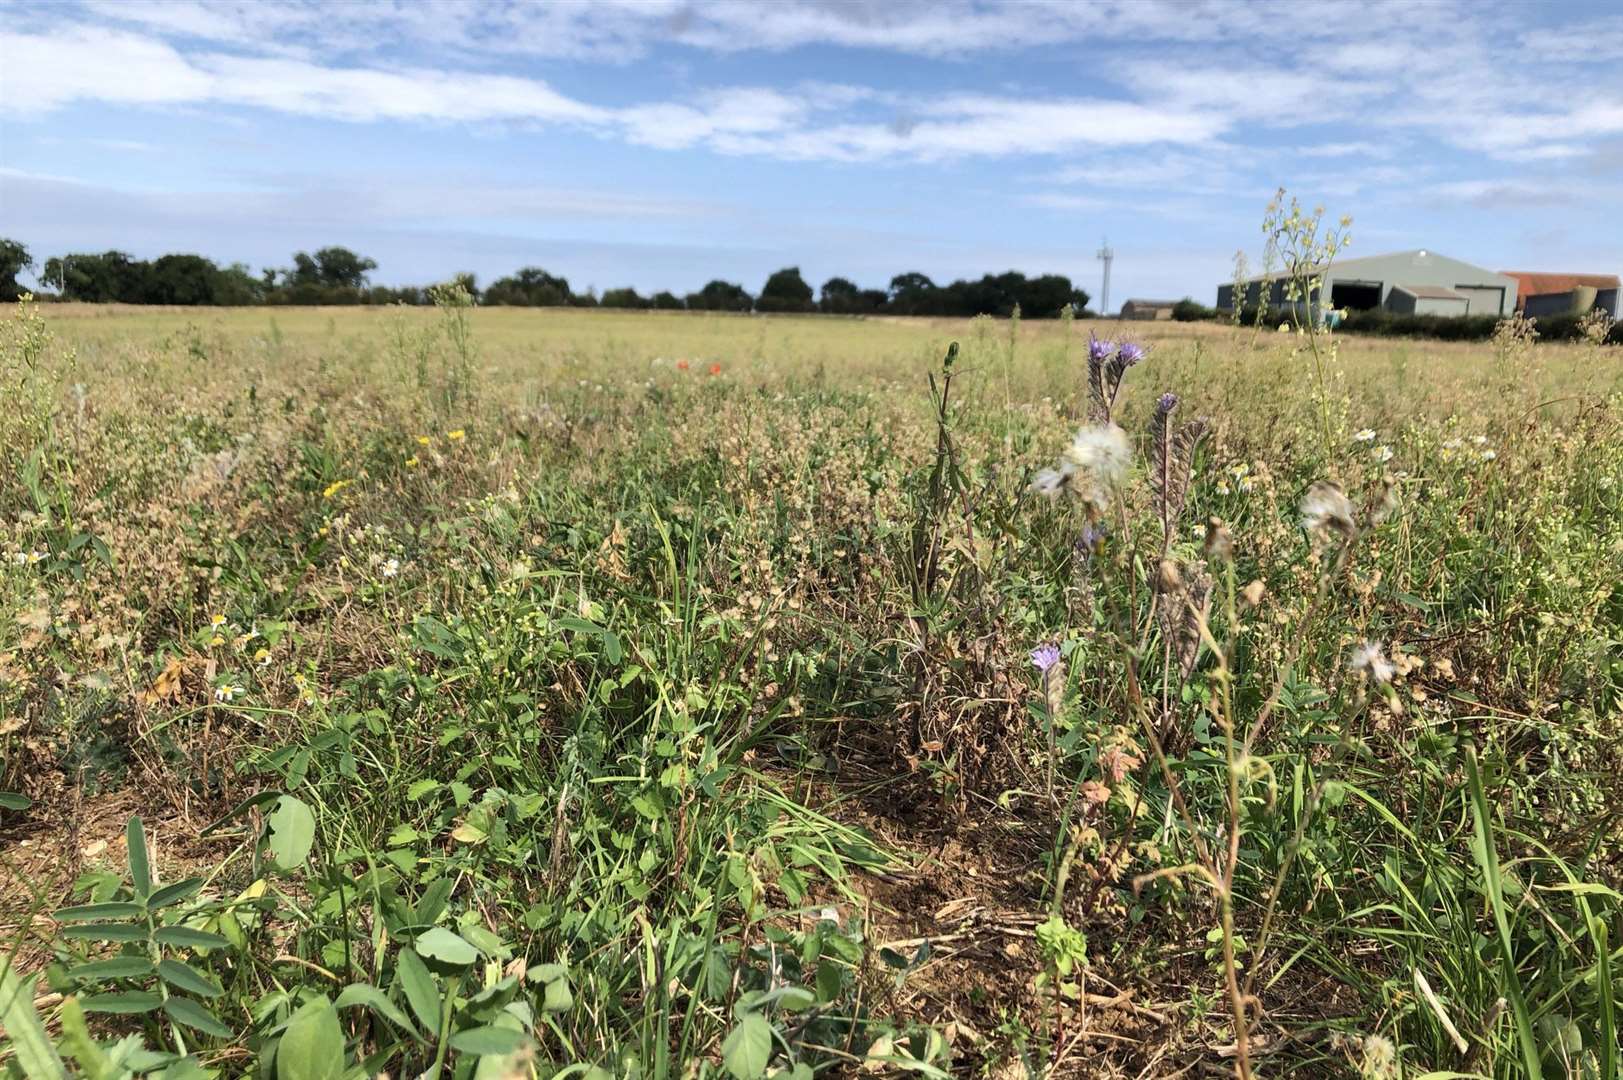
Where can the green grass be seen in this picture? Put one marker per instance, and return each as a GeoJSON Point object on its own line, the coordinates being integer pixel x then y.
{"type": "Point", "coordinates": [502, 697]}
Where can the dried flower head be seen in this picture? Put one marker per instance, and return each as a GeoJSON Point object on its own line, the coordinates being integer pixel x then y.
{"type": "Point", "coordinates": [1219, 541]}
{"type": "Point", "coordinates": [1369, 661]}
{"type": "Point", "coordinates": [1251, 595]}
{"type": "Point", "coordinates": [1325, 508]}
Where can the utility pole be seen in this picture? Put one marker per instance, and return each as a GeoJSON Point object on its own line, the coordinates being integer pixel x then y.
{"type": "Point", "coordinates": [1104, 256]}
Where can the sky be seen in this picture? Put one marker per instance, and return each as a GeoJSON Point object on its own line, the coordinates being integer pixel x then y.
{"type": "Point", "coordinates": [662, 143]}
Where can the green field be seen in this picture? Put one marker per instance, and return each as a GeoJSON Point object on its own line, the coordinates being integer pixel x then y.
{"type": "Point", "coordinates": [508, 693]}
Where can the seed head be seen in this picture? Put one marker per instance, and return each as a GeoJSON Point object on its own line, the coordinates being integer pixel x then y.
{"type": "Point", "coordinates": [1325, 508]}
{"type": "Point", "coordinates": [1368, 660]}
{"type": "Point", "coordinates": [1219, 541]}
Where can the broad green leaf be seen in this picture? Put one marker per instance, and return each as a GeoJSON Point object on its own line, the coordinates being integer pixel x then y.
{"type": "Point", "coordinates": [557, 996]}
{"type": "Point", "coordinates": [93, 1062]}
{"type": "Point", "coordinates": [10, 800]}
{"type": "Point", "coordinates": [748, 1048]}
{"type": "Point", "coordinates": [134, 1001]}
{"type": "Point", "coordinates": [422, 993]}
{"type": "Point", "coordinates": [264, 798]}
{"type": "Point", "coordinates": [370, 997]}
{"type": "Point", "coordinates": [420, 788]}
{"type": "Point", "coordinates": [188, 978]}
{"type": "Point", "coordinates": [448, 948]}
{"type": "Point", "coordinates": [184, 937]}
{"type": "Point", "coordinates": [173, 894]}
{"type": "Point", "coordinates": [140, 872]}
{"type": "Point", "coordinates": [87, 912]}
{"type": "Point", "coordinates": [188, 1012]}
{"type": "Point", "coordinates": [312, 1046]}
{"type": "Point", "coordinates": [119, 967]}
{"type": "Point", "coordinates": [487, 1040]}
{"type": "Point", "coordinates": [24, 1031]}
{"type": "Point", "coordinates": [292, 833]}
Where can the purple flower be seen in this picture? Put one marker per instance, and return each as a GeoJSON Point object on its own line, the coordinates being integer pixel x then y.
{"type": "Point", "coordinates": [1090, 538]}
{"type": "Point", "coordinates": [1168, 402]}
{"type": "Point", "coordinates": [1044, 657]}
{"type": "Point", "coordinates": [1099, 349]}
{"type": "Point", "coordinates": [1131, 353]}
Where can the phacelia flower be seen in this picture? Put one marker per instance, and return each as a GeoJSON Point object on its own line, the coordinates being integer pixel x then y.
{"type": "Point", "coordinates": [1100, 349]}
{"type": "Point", "coordinates": [1167, 403]}
{"type": "Point", "coordinates": [1130, 353]}
{"type": "Point", "coordinates": [1044, 657]}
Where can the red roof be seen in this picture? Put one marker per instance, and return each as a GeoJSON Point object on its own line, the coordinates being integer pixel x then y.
{"type": "Point", "coordinates": [1535, 284]}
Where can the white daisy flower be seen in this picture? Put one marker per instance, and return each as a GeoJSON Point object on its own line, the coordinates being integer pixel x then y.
{"type": "Point", "coordinates": [1367, 435]}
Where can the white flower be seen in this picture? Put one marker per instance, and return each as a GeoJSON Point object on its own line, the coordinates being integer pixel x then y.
{"type": "Point", "coordinates": [1489, 455]}
{"type": "Point", "coordinates": [1480, 440]}
{"type": "Point", "coordinates": [36, 556]}
{"type": "Point", "coordinates": [1383, 454]}
{"type": "Point", "coordinates": [227, 693]}
{"type": "Point", "coordinates": [1367, 435]}
{"type": "Point", "coordinates": [19, 558]}
{"type": "Point", "coordinates": [391, 568]}
{"type": "Point", "coordinates": [1368, 660]}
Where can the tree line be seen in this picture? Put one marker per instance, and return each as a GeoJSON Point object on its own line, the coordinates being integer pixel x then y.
{"type": "Point", "coordinates": [336, 275]}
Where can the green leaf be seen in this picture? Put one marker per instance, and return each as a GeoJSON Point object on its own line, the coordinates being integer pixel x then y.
{"type": "Point", "coordinates": [557, 996]}
{"type": "Point", "coordinates": [292, 833]}
{"type": "Point", "coordinates": [487, 1040]}
{"type": "Point", "coordinates": [26, 1034]}
{"type": "Point", "coordinates": [312, 1045]}
{"type": "Point", "coordinates": [119, 967]}
{"type": "Point", "coordinates": [188, 978]}
{"type": "Point", "coordinates": [422, 994]}
{"type": "Point", "coordinates": [173, 894]}
{"type": "Point", "coordinates": [10, 800]}
{"type": "Point", "coordinates": [748, 1048]}
{"type": "Point", "coordinates": [94, 1064]}
{"type": "Point", "coordinates": [420, 788]}
{"type": "Point", "coordinates": [140, 872]}
{"type": "Point", "coordinates": [184, 937]}
{"type": "Point", "coordinates": [264, 798]}
{"type": "Point", "coordinates": [87, 912]}
{"type": "Point", "coordinates": [186, 1011]}
{"type": "Point", "coordinates": [105, 931]}
{"type": "Point", "coordinates": [1488, 861]}
{"type": "Point", "coordinates": [448, 948]}
{"type": "Point", "coordinates": [133, 1001]}
{"type": "Point", "coordinates": [370, 997]}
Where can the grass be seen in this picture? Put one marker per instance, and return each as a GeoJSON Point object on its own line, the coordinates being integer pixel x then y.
{"type": "Point", "coordinates": [497, 693]}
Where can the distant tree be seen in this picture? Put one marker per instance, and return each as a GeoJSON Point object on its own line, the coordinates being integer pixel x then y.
{"type": "Point", "coordinates": [182, 279]}
{"type": "Point", "coordinates": [720, 296]}
{"type": "Point", "coordinates": [873, 300]}
{"type": "Point", "coordinates": [785, 290]}
{"type": "Point", "coordinates": [339, 267]}
{"type": "Point", "coordinates": [530, 287]}
{"type": "Point", "coordinates": [14, 259]}
{"type": "Point", "coordinates": [839, 296]}
{"type": "Point", "coordinates": [585, 299]}
{"type": "Point", "coordinates": [914, 294]}
{"type": "Point", "coordinates": [109, 277]}
{"type": "Point", "coordinates": [623, 298]}
{"type": "Point", "coordinates": [667, 301]}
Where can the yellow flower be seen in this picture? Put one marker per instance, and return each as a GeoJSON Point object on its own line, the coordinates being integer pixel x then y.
{"type": "Point", "coordinates": [457, 436]}
{"type": "Point", "coordinates": [218, 620]}
{"type": "Point", "coordinates": [216, 640]}
{"type": "Point", "coordinates": [334, 488]}
{"type": "Point", "coordinates": [411, 462]}
{"type": "Point", "coordinates": [424, 440]}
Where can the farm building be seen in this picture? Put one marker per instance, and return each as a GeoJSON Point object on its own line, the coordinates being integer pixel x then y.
{"type": "Point", "coordinates": [1562, 294]}
{"type": "Point", "coordinates": [1404, 282]}
{"type": "Point", "coordinates": [1148, 309]}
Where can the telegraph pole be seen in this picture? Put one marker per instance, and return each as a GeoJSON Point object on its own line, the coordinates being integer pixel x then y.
{"type": "Point", "coordinates": [1104, 256]}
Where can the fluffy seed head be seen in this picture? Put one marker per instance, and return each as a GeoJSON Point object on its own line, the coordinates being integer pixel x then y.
{"type": "Point", "coordinates": [1368, 660]}
{"type": "Point", "coordinates": [1325, 507]}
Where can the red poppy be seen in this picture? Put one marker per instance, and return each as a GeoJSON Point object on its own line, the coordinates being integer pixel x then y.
{"type": "Point", "coordinates": [715, 369]}
{"type": "Point", "coordinates": [681, 365]}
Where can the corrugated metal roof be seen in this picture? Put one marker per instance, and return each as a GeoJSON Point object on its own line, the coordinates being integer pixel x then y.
{"type": "Point", "coordinates": [1530, 283]}
{"type": "Point", "coordinates": [1137, 302]}
{"type": "Point", "coordinates": [1430, 292]}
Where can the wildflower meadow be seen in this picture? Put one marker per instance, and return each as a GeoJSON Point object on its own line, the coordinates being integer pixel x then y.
{"type": "Point", "coordinates": [499, 693]}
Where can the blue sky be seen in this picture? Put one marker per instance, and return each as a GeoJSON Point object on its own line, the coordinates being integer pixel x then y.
{"type": "Point", "coordinates": [660, 143]}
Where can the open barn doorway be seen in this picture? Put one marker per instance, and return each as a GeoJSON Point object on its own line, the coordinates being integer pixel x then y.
{"type": "Point", "coordinates": [1355, 295]}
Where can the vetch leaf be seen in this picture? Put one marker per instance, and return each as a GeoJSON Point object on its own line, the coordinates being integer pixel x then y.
{"type": "Point", "coordinates": [188, 1012]}
{"type": "Point", "coordinates": [292, 833]}
{"type": "Point", "coordinates": [184, 937]}
{"type": "Point", "coordinates": [748, 1048]}
{"type": "Point", "coordinates": [312, 1047]}
{"type": "Point", "coordinates": [119, 967]}
{"type": "Point", "coordinates": [487, 1040]}
{"type": "Point", "coordinates": [173, 894]}
{"type": "Point", "coordinates": [448, 948]}
{"type": "Point", "coordinates": [370, 997]}
{"type": "Point", "coordinates": [188, 978]}
{"type": "Point", "coordinates": [133, 1001]}
{"type": "Point", "coordinates": [422, 994]}
{"type": "Point", "coordinates": [88, 912]}
{"type": "Point", "coordinates": [105, 931]}
{"type": "Point", "coordinates": [140, 871]}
